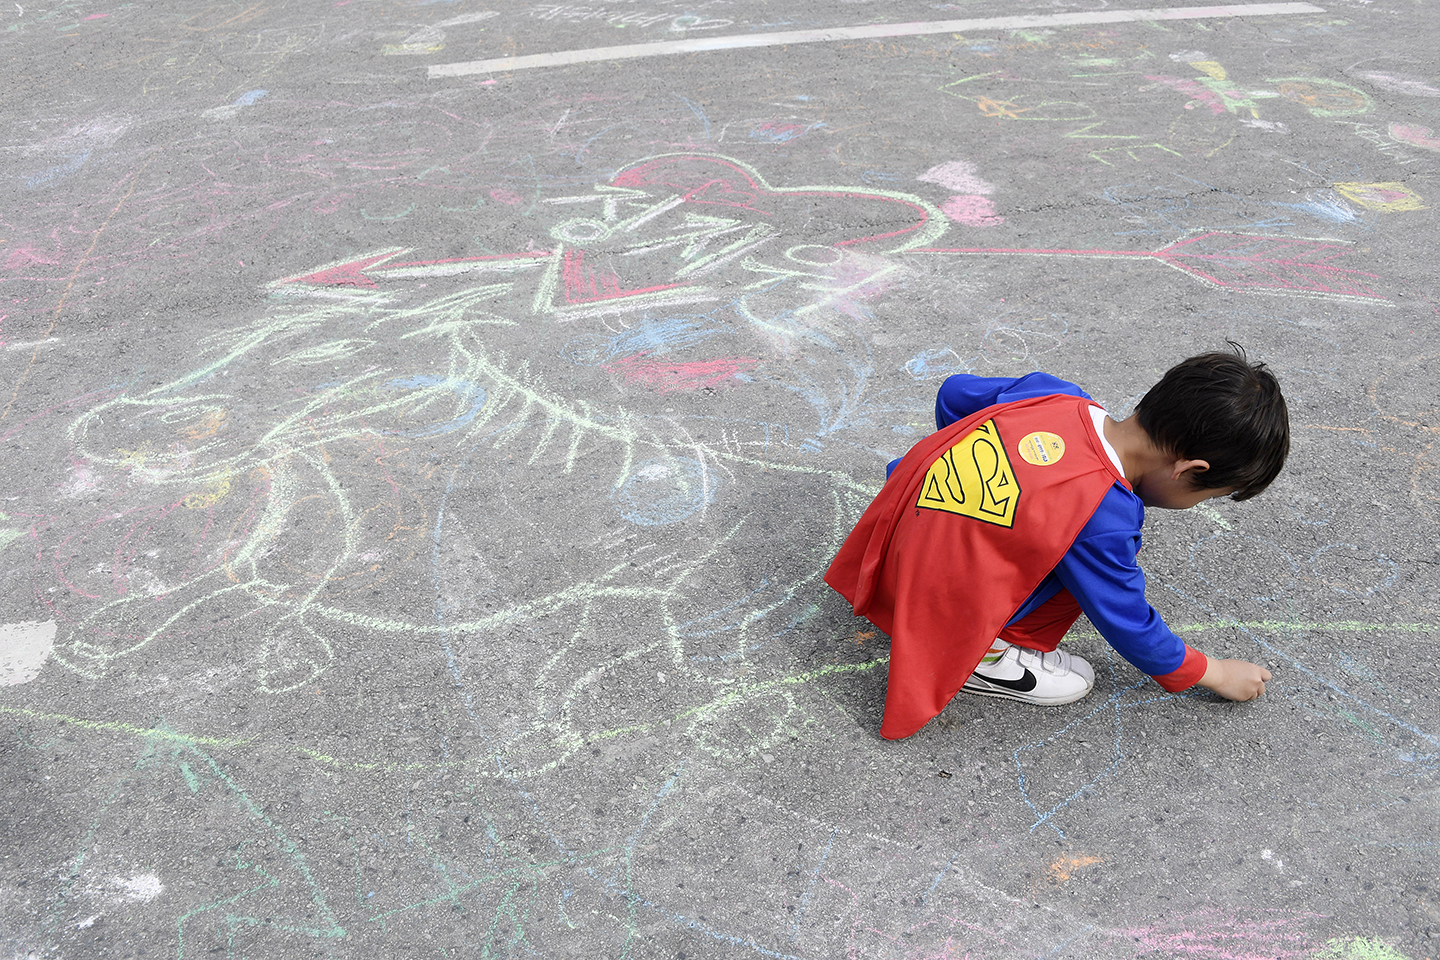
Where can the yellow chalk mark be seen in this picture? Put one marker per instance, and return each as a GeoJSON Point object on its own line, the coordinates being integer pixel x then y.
{"type": "Point", "coordinates": [1209, 68]}
{"type": "Point", "coordinates": [1388, 197]}
{"type": "Point", "coordinates": [478, 766]}
{"type": "Point", "coordinates": [127, 729]}
{"type": "Point", "coordinates": [217, 490]}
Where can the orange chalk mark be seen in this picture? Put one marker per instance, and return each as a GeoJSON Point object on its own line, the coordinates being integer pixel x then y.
{"type": "Point", "coordinates": [1064, 867]}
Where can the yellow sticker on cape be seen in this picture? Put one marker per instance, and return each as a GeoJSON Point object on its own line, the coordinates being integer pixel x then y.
{"type": "Point", "coordinates": [974, 479]}
{"type": "Point", "coordinates": [1042, 449]}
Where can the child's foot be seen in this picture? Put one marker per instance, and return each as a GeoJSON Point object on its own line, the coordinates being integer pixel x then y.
{"type": "Point", "coordinates": [1019, 673]}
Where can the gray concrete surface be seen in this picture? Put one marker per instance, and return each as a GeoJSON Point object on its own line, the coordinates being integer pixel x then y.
{"type": "Point", "coordinates": [416, 489]}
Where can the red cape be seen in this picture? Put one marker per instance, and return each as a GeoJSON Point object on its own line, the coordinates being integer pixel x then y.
{"type": "Point", "coordinates": [969, 523]}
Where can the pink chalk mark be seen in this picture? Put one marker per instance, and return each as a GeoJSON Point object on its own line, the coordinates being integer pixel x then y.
{"type": "Point", "coordinates": [715, 181]}
{"type": "Point", "coordinates": [973, 211]}
{"type": "Point", "coordinates": [1197, 92]}
{"type": "Point", "coordinates": [1415, 136]}
{"type": "Point", "coordinates": [957, 175]}
{"type": "Point", "coordinates": [501, 195]}
{"type": "Point", "coordinates": [24, 256]}
{"type": "Point", "coordinates": [346, 274]}
{"type": "Point", "coordinates": [1210, 935]}
{"type": "Point", "coordinates": [673, 377]}
{"type": "Point", "coordinates": [1236, 261]}
{"type": "Point", "coordinates": [585, 284]}
{"type": "Point", "coordinates": [97, 16]}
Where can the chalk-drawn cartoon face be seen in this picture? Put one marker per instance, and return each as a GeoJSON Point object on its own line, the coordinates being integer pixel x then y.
{"type": "Point", "coordinates": [385, 414]}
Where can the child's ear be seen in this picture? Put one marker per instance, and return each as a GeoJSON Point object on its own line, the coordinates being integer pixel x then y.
{"type": "Point", "coordinates": [1191, 469]}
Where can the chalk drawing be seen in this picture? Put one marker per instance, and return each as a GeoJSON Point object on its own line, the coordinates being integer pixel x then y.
{"type": "Point", "coordinates": [1255, 264]}
{"type": "Point", "coordinates": [668, 377]}
{"type": "Point", "coordinates": [1322, 97]}
{"type": "Point", "coordinates": [1416, 136]}
{"type": "Point", "coordinates": [232, 109]}
{"type": "Point", "coordinates": [1186, 204]}
{"type": "Point", "coordinates": [1359, 948]}
{"type": "Point", "coordinates": [431, 38]}
{"type": "Point", "coordinates": [973, 211]}
{"type": "Point", "coordinates": [1401, 83]}
{"type": "Point", "coordinates": [958, 176]}
{"type": "Point", "coordinates": [1214, 90]}
{"type": "Point", "coordinates": [665, 491]}
{"type": "Point", "coordinates": [281, 477]}
{"type": "Point", "coordinates": [1391, 197]}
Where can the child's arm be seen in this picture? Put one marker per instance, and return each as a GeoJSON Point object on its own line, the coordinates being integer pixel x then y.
{"type": "Point", "coordinates": [1099, 570]}
{"type": "Point", "coordinates": [1235, 679]}
{"type": "Point", "coordinates": [964, 393]}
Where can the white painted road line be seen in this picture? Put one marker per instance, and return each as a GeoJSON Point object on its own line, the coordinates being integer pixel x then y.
{"type": "Point", "coordinates": [867, 32]}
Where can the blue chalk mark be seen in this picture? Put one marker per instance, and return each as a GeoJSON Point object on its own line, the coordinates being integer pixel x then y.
{"type": "Point", "coordinates": [1115, 701]}
{"type": "Point", "coordinates": [810, 890]}
{"type": "Point", "coordinates": [697, 628]}
{"type": "Point", "coordinates": [249, 97]}
{"type": "Point", "coordinates": [651, 337]}
{"type": "Point", "coordinates": [783, 133]}
{"type": "Point", "coordinates": [472, 399]}
{"type": "Point", "coordinates": [1333, 688]}
{"type": "Point", "coordinates": [936, 362]}
{"type": "Point", "coordinates": [659, 492]}
{"type": "Point", "coordinates": [1327, 207]}
{"type": "Point", "coordinates": [699, 926]}
{"type": "Point", "coordinates": [699, 113]}
{"type": "Point", "coordinates": [59, 171]}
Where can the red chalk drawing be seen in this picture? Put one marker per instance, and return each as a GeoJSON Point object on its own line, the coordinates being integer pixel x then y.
{"type": "Point", "coordinates": [667, 229]}
{"type": "Point", "coordinates": [672, 377]}
{"type": "Point", "coordinates": [1237, 261]}
{"type": "Point", "coordinates": [973, 211]}
{"type": "Point", "coordinates": [720, 182]}
{"type": "Point", "coordinates": [1415, 136]}
{"type": "Point", "coordinates": [586, 284]}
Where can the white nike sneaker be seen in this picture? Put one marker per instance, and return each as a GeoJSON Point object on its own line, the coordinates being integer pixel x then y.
{"type": "Point", "coordinates": [1019, 673]}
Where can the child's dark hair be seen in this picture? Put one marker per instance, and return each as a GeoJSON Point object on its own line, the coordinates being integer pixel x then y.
{"type": "Point", "coordinates": [1221, 408]}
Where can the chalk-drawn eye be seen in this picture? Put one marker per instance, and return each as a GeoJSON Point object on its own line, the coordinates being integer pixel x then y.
{"type": "Point", "coordinates": [580, 231]}
{"type": "Point", "coordinates": [665, 491]}
{"type": "Point", "coordinates": [326, 352]}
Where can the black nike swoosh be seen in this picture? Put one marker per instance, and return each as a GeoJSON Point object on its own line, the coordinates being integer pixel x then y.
{"type": "Point", "coordinates": [1020, 684]}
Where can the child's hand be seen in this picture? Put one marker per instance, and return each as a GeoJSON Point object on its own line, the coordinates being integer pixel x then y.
{"type": "Point", "coordinates": [1235, 679]}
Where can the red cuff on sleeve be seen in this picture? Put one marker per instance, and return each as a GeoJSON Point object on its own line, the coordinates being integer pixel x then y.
{"type": "Point", "coordinates": [1188, 674]}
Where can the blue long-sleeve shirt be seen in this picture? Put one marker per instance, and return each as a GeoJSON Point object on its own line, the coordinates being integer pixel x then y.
{"type": "Point", "coordinates": [1100, 568]}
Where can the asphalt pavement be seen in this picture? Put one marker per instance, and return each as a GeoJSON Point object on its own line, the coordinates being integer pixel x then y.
{"type": "Point", "coordinates": [425, 426]}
